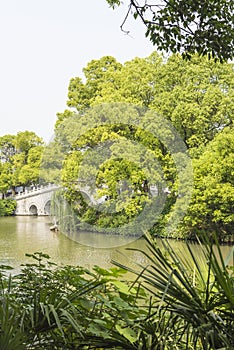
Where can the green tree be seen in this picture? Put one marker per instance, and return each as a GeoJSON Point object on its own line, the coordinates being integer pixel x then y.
{"type": "Point", "coordinates": [30, 171]}
{"type": "Point", "coordinates": [188, 27]}
{"type": "Point", "coordinates": [5, 177]}
{"type": "Point", "coordinates": [97, 73]}
{"type": "Point", "coordinates": [195, 96]}
{"type": "Point", "coordinates": [20, 160]}
{"type": "Point", "coordinates": [7, 147]}
{"type": "Point", "coordinates": [106, 80]}
{"type": "Point", "coordinates": [211, 209]}
{"type": "Point", "coordinates": [25, 140]}
{"type": "Point", "coordinates": [136, 81]}
{"type": "Point", "coordinates": [111, 161]}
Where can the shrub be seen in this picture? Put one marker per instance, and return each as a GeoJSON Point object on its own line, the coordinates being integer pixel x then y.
{"type": "Point", "coordinates": [7, 207]}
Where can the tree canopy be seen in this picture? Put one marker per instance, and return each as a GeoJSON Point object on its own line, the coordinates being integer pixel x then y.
{"type": "Point", "coordinates": [194, 96]}
{"type": "Point", "coordinates": [187, 27]}
{"type": "Point", "coordinates": [20, 160]}
{"type": "Point", "coordinates": [211, 208]}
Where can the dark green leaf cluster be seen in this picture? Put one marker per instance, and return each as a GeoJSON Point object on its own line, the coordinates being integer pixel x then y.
{"type": "Point", "coordinates": [187, 26]}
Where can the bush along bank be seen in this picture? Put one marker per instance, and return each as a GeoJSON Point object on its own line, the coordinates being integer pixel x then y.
{"type": "Point", "coordinates": [7, 207]}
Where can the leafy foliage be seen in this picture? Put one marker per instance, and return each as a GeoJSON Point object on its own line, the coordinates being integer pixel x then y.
{"type": "Point", "coordinates": [115, 161]}
{"type": "Point", "coordinates": [211, 208]}
{"type": "Point", "coordinates": [173, 303]}
{"type": "Point", "coordinates": [195, 96]}
{"type": "Point", "coordinates": [7, 207]}
{"type": "Point", "coordinates": [20, 160]}
{"type": "Point", "coordinates": [195, 293]}
{"type": "Point", "coordinates": [188, 27]}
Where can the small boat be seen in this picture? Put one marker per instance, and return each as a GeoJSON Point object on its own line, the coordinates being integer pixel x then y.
{"type": "Point", "coordinates": [54, 228]}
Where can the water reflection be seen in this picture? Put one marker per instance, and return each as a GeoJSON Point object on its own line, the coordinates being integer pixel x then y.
{"type": "Point", "coordinates": [20, 235]}
{"type": "Point", "coordinates": [99, 240]}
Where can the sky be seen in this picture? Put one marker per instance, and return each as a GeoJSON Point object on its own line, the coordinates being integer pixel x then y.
{"type": "Point", "coordinates": [45, 43]}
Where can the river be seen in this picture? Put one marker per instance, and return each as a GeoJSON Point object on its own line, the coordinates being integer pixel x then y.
{"type": "Point", "coordinates": [30, 234]}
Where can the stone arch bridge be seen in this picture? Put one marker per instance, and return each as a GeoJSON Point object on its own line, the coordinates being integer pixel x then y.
{"type": "Point", "coordinates": [37, 200]}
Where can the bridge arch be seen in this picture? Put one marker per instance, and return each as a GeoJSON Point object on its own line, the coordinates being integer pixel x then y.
{"type": "Point", "coordinates": [33, 210]}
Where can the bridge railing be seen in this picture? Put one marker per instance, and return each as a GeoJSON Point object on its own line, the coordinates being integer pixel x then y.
{"type": "Point", "coordinates": [36, 190]}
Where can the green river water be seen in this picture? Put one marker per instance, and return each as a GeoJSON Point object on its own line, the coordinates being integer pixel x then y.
{"type": "Point", "coordinates": [29, 234]}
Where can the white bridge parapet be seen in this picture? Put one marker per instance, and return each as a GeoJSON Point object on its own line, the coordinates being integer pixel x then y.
{"type": "Point", "coordinates": [35, 201]}
{"type": "Point", "coordinates": [36, 190]}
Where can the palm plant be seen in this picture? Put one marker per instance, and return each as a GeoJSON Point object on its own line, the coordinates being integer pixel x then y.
{"type": "Point", "coordinates": [195, 296]}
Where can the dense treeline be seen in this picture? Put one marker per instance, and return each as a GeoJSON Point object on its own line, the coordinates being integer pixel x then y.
{"type": "Point", "coordinates": [195, 97]}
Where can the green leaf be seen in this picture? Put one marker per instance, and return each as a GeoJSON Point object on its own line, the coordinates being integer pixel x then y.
{"type": "Point", "coordinates": [122, 287]}
{"type": "Point", "coordinates": [127, 332]}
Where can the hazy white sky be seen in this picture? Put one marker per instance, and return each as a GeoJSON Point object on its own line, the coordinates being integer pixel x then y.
{"type": "Point", "coordinates": [43, 44]}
